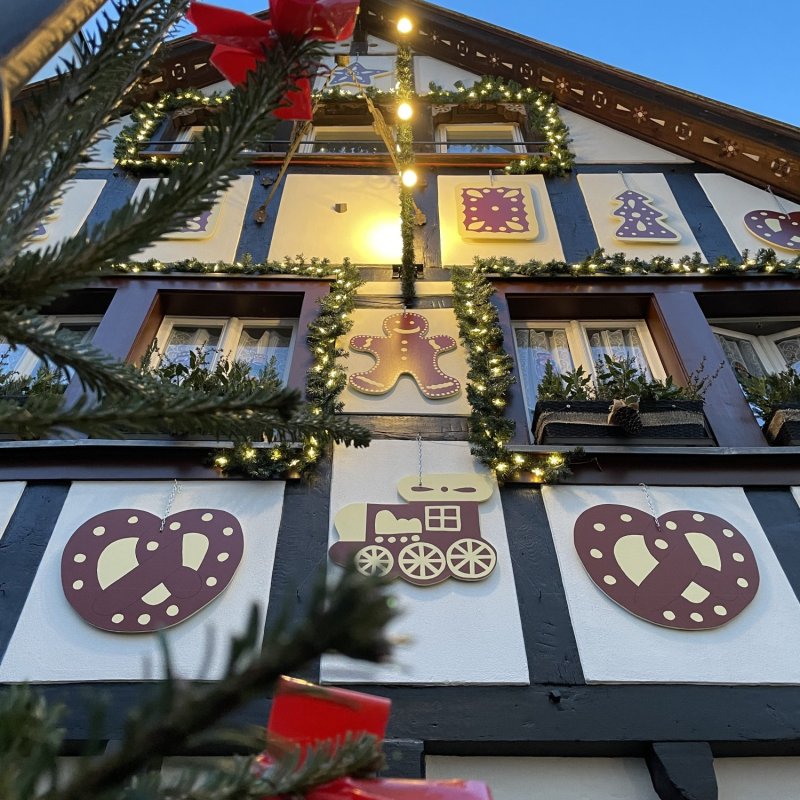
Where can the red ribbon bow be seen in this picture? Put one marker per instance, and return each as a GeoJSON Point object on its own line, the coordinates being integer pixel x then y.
{"type": "Point", "coordinates": [242, 40]}
{"type": "Point", "coordinates": [305, 714]}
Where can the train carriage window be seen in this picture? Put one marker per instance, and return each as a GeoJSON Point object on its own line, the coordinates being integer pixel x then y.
{"type": "Point", "coordinates": [443, 518]}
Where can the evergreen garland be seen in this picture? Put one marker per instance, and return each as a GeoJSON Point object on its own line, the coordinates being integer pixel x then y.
{"type": "Point", "coordinates": [765, 262]}
{"type": "Point", "coordinates": [542, 115]}
{"type": "Point", "coordinates": [147, 118]}
{"type": "Point", "coordinates": [490, 378]}
{"type": "Point", "coordinates": [325, 381]}
{"type": "Point", "coordinates": [405, 158]}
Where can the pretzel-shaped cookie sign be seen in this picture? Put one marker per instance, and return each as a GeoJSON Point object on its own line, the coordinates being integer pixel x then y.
{"type": "Point", "coordinates": [123, 571]}
{"type": "Point", "coordinates": [686, 570]}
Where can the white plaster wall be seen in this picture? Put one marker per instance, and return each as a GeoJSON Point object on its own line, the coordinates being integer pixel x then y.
{"type": "Point", "coordinates": [367, 233]}
{"type": "Point", "coordinates": [458, 251]}
{"type": "Point", "coordinates": [760, 646]}
{"type": "Point", "coordinates": [599, 192]}
{"type": "Point", "coordinates": [70, 214]}
{"type": "Point", "coordinates": [221, 87]}
{"type": "Point", "coordinates": [732, 199]}
{"type": "Point", "coordinates": [594, 143]}
{"type": "Point", "coordinates": [384, 80]}
{"type": "Point", "coordinates": [406, 397]}
{"type": "Point", "coordinates": [758, 778]}
{"type": "Point", "coordinates": [459, 633]}
{"type": "Point", "coordinates": [10, 493]}
{"type": "Point", "coordinates": [427, 69]}
{"type": "Point", "coordinates": [221, 245]}
{"type": "Point", "coordinates": [515, 778]}
{"type": "Point", "coordinates": [51, 643]}
{"type": "Point", "coordinates": [101, 154]}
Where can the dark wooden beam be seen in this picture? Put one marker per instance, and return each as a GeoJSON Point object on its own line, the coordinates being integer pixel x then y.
{"type": "Point", "coordinates": [682, 770]}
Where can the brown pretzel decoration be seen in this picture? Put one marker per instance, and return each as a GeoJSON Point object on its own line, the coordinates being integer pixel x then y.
{"type": "Point", "coordinates": [686, 570]}
{"type": "Point", "coordinates": [124, 571]}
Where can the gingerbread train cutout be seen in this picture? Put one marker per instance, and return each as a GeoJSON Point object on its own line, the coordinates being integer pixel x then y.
{"type": "Point", "coordinates": [686, 570]}
{"type": "Point", "coordinates": [433, 536]}
{"type": "Point", "coordinates": [127, 571]}
{"type": "Point", "coordinates": [405, 349]}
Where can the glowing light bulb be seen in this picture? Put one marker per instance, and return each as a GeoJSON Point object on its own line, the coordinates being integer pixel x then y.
{"type": "Point", "coordinates": [405, 111]}
{"type": "Point", "coordinates": [404, 25]}
{"type": "Point", "coordinates": [409, 178]}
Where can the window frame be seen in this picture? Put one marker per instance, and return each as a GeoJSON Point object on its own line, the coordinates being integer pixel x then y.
{"type": "Point", "coordinates": [580, 350]}
{"type": "Point", "coordinates": [229, 336]}
{"type": "Point", "coordinates": [307, 147]}
{"type": "Point", "coordinates": [765, 346]}
{"type": "Point", "coordinates": [184, 137]}
{"type": "Point", "coordinates": [29, 363]}
{"type": "Point", "coordinates": [441, 518]}
{"type": "Point", "coordinates": [516, 135]}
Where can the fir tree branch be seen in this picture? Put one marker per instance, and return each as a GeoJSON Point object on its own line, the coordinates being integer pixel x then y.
{"type": "Point", "coordinates": [36, 278]}
{"type": "Point", "coordinates": [350, 620]}
{"type": "Point", "coordinates": [63, 122]}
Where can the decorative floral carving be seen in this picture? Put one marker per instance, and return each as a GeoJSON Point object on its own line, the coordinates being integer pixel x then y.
{"type": "Point", "coordinates": [729, 148]}
{"type": "Point", "coordinates": [639, 114]}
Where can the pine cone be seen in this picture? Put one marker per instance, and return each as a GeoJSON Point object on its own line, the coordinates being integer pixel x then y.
{"type": "Point", "coordinates": [628, 419]}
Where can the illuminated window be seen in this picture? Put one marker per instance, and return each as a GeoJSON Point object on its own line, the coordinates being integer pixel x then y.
{"type": "Point", "coordinates": [484, 138]}
{"type": "Point", "coordinates": [345, 140]}
{"type": "Point", "coordinates": [443, 518]}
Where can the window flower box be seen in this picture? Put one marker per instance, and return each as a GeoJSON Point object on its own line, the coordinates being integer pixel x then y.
{"type": "Point", "coordinates": [582, 422]}
{"type": "Point", "coordinates": [783, 427]}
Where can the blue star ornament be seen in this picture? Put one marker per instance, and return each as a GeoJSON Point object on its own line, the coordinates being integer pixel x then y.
{"type": "Point", "coordinates": [364, 76]}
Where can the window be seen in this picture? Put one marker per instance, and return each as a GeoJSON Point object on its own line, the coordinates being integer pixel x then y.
{"type": "Point", "coordinates": [254, 341]}
{"type": "Point", "coordinates": [355, 139]}
{"type": "Point", "coordinates": [755, 348]}
{"type": "Point", "coordinates": [443, 518]}
{"type": "Point", "coordinates": [485, 138]}
{"type": "Point", "coordinates": [185, 135]}
{"type": "Point", "coordinates": [568, 345]}
{"type": "Point", "coordinates": [24, 362]}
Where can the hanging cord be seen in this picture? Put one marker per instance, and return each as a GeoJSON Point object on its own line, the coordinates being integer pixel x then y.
{"type": "Point", "coordinates": [781, 207]}
{"type": "Point", "coordinates": [651, 504]}
{"type": "Point", "coordinates": [625, 184]}
{"type": "Point", "coordinates": [419, 457]}
{"type": "Point", "coordinates": [300, 133]}
{"type": "Point", "coordinates": [176, 488]}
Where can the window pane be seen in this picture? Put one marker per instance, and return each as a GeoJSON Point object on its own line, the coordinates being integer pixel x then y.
{"type": "Point", "coordinates": [10, 356]}
{"type": "Point", "coordinates": [258, 346]}
{"type": "Point", "coordinates": [480, 140]}
{"type": "Point", "coordinates": [184, 339]}
{"type": "Point", "coordinates": [85, 330]}
{"type": "Point", "coordinates": [330, 140]}
{"type": "Point", "coordinates": [536, 348]}
{"type": "Point", "coordinates": [618, 343]}
{"type": "Point", "coordinates": [790, 351]}
{"type": "Point", "coordinates": [741, 356]}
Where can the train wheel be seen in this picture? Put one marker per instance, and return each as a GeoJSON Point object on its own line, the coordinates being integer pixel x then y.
{"type": "Point", "coordinates": [374, 560]}
{"type": "Point", "coordinates": [471, 559]}
{"type": "Point", "coordinates": [421, 561]}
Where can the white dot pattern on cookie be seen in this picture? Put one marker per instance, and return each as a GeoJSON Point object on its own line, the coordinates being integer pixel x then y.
{"type": "Point", "coordinates": [174, 526]}
{"type": "Point", "coordinates": [742, 582]}
{"type": "Point", "coordinates": [143, 619]}
{"type": "Point", "coordinates": [222, 557]}
{"type": "Point", "coordinates": [77, 585]}
{"type": "Point", "coordinates": [227, 531]}
{"type": "Point", "coordinates": [172, 610]}
{"type": "Point", "coordinates": [207, 517]}
{"type": "Point", "coordinates": [99, 530]}
{"type": "Point", "coordinates": [152, 545]}
{"type": "Point", "coordinates": [79, 558]}
{"type": "Point", "coordinates": [695, 617]}
{"type": "Point", "coordinates": [609, 579]}
{"type": "Point", "coordinates": [661, 544]}
{"type": "Point", "coordinates": [727, 532]}
{"type": "Point", "coordinates": [625, 517]}
{"type": "Point", "coordinates": [117, 618]}
{"type": "Point", "coordinates": [738, 557]}
{"type": "Point", "coordinates": [720, 611]}
{"type": "Point", "coordinates": [598, 526]}
{"type": "Point", "coordinates": [698, 517]}
{"type": "Point", "coordinates": [133, 520]}
{"type": "Point", "coordinates": [670, 525]}
{"type": "Point", "coordinates": [212, 581]}
{"type": "Point", "coordinates": [595, 553]}
{"type": "Point", "coordinates": [669, 615]}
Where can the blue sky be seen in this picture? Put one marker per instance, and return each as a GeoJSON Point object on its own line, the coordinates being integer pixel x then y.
{"type": "Point", "coordinates": [742, 52]}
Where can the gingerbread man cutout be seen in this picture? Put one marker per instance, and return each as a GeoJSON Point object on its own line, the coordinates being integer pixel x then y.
{"type": "Point", "coordinates": [405, 350]}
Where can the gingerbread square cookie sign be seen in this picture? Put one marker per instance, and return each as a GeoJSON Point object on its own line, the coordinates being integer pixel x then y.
{"type": "Point", "coordinates": [496, 212]}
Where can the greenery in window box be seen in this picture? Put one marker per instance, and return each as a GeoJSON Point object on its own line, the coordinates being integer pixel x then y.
{"type": "Point", "coordinates": [542, 115]}
{"type": "Point", "coordinates": [770, 393]}
{"type": "Point", "coordinates": [621, 378]}
{"type": "Point", "coordinates": [35, 394]}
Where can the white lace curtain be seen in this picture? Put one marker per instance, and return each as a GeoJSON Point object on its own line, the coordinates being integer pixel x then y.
{"type": "Point", "coordinates": [536, 348]}
{"type": "Point", "coordinates": [258, 346]}
{"type": "Point", "coordinates": [618, 343]}
{"type": "Point", "coordinates": [183, 340]}
{"type": "Point", "coordinates": [790, 351]}
{"type": "Point", "coordinates": [741, 356]}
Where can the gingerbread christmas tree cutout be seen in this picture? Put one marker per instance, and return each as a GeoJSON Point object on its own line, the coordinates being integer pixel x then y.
{"type": "Point", "coordinates": [405, 349]}
{"type": "Point", "coordinates": [641, 220]}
